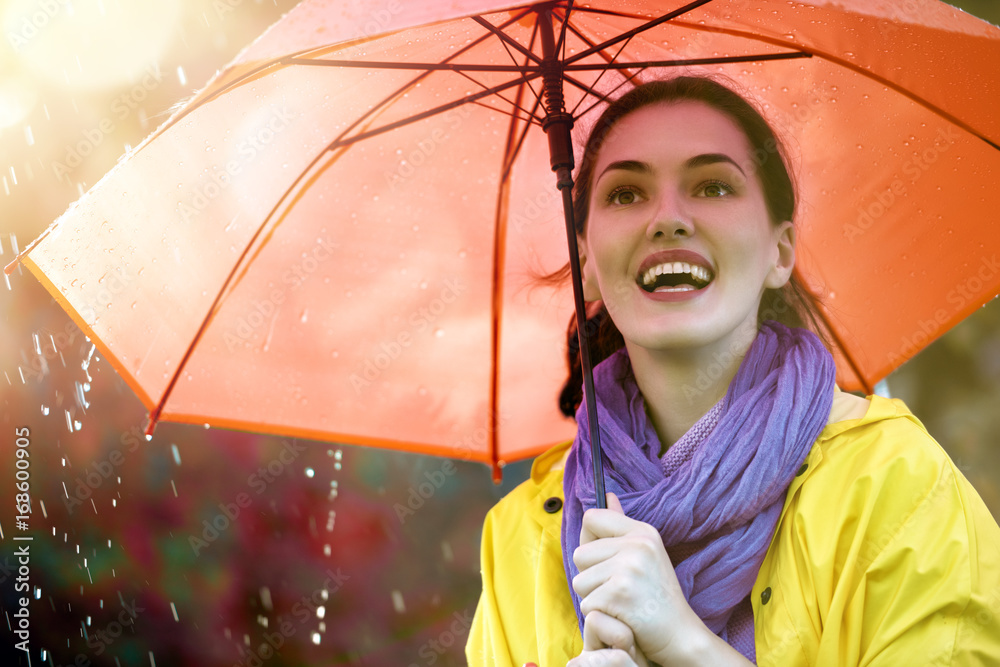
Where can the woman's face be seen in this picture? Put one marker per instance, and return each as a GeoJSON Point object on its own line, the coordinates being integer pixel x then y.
{"type": "Point", "coordinates": [679, 243]}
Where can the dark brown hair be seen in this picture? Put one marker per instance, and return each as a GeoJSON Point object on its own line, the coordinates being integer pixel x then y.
{"type": "Point", "coordinates": [789, 305]}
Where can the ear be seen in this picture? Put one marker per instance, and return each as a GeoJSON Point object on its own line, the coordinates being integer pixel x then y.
{"type": "Point", "coordinates": [781, 271]}
{"type": "Point", "coordinates": [591, 291]}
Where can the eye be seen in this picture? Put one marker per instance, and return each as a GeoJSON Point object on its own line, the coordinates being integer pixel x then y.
{"type": "Point", "coordinates": [714, 189]}
{"type": "Point", "coordinates": [623, 195]}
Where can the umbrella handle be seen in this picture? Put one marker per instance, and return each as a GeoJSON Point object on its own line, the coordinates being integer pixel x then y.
{"type": "Point", "coordinates": [557, 126]}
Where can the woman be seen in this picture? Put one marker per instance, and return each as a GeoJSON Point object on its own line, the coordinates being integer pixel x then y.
{"type": "Point", "coordinates": [755, 513]}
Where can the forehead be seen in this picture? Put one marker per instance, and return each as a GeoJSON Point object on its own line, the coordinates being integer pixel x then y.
{"type": "Point", "coordinates": [673, 131]}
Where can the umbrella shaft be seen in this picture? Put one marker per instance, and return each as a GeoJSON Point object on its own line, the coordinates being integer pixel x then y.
{"type": "Point", "coordinates": [557, 126]}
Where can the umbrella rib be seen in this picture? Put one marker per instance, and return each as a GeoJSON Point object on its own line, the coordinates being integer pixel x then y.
{"type": "Point", "coordinates": [591, 90]}
{"type": "Point", "coordinates": [387, 100]}
{"type": "Point", "coordinates": [424, 67]}
{"type": "Point", "coordinates": [346, 141]}
{"type": "Point", "coordinates": [509, 164]}
{"type": "Point", "coordinates": [158, 410]}
{"type": "Point", "coordinates": [610, 12]}
{"type": "Point", "coordinates": [520, 69]}
{"type": "Point", "coordinates": [506, 39]}
{"type": "Point", "coordinates": [629, 34]}
{"type": "Point", "coordinates": [721, 60]}
{"type": "Point", "coordinates": [832, 331]}
{"type": "Point", "coordinates": [608, 59]}
{"type": "Point", "coordinates": [602, 98]}
{"type": "Point", "coordinates": [298, 57]}
{"type": "Point", "coordinates": [496, 298]}
{"type": "Point", "coordinates": [561, 42]}
{"type": "Point", "coordinates": [851, 66]}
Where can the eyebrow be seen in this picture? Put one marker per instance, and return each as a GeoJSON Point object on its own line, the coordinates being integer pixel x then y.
{"type": "Point", "coordinates": [696, 161]}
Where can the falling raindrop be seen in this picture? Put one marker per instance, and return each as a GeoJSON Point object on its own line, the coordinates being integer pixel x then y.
{"type": "Point", "coordinates": [397, 602]}
{"type": "Point", "coordinates": [310, 472]}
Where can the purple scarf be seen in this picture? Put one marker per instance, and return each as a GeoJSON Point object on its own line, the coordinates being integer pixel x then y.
{"type": "Point", "coordinates": [722, 504]}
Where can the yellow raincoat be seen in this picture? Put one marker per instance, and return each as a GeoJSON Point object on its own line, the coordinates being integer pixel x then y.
{"type": "Point", "coordinates": [884, 554]}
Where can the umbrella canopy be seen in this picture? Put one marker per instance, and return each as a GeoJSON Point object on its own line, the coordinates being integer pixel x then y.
{"type": "Point", "coordinates": [340, 237]}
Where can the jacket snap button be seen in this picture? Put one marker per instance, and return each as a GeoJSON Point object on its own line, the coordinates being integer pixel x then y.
{"type": "Point", "coordinates": [802, 469]}
{"type": "Point", "coordinates": [765, 595]}
{"type": "Point", "coordinates": [553, 505]}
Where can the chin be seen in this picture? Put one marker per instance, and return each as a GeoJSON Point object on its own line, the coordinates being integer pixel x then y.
{"type": "Point", "coordinates": [673, 335]}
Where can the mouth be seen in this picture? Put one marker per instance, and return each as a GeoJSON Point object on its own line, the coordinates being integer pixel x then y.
{"type": "Point", "coordinates": [674, 271]}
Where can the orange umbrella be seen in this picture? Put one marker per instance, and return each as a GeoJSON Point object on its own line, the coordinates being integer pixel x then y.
{"type": "Point", "coordinates": [339, 237]}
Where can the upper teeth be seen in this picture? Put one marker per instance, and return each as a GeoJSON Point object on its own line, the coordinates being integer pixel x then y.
{"type": "Point", "coordinates": [699, 272]}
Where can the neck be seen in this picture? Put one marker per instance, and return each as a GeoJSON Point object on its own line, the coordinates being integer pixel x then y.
{"type": "Point", "coordinates": [680, 385]}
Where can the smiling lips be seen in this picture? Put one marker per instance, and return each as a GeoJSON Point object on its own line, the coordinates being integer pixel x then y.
{"type": "Point", "coordinates": [674, 271]}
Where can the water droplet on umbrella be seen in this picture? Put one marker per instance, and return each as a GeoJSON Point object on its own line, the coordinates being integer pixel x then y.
{"type": "Point", "coordinates": [310, 472]}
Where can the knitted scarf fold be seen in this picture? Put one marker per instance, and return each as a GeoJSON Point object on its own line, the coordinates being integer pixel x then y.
{"type": "Point", "coordinates": [715, 503]}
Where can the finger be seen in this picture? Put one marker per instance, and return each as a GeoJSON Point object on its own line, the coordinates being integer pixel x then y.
{"type": "Point", "coordinates": [605, 523]}
{"type": "Point", "coordinates": [643, 540]}
{"type": "Point", "coordinates": [613, 503]}
{"type": "Point", "coordinates": [592, 577]}
{"type": "Point", "coordinates": [603, 631]}
{"type": "Point", "coordinates": [609, 657]}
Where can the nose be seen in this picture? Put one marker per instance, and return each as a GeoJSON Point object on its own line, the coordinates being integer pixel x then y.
{"type": "Point", "coordinates": [670, 218]}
